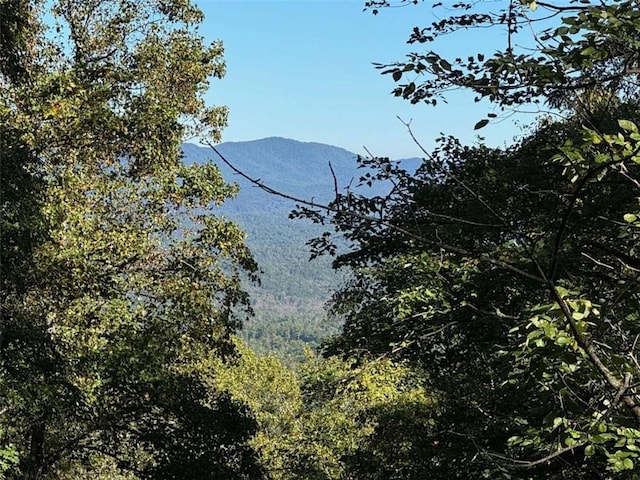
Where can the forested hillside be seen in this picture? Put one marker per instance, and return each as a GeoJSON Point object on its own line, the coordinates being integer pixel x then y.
{"type": "Point", "coordinates": [290, 301]}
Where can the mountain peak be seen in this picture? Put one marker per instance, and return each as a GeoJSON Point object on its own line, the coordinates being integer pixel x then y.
{"type": "Point", "coordinates": [300, 169]}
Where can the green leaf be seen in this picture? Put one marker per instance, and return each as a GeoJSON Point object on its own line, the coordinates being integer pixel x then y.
{"type": "Point", "coordinates": [482, 123]}
{"type": "Point", "coordinates": [588, 51]}
{"type": "Point", "coordinates": [628, 125]}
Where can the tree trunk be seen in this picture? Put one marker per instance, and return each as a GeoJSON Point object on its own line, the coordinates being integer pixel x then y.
{"type": "Point", "coordinates": [35, 463]}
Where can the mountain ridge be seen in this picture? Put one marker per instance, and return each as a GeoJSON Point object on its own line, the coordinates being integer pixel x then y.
{"type": "Point", "coordinates": [306, 164]}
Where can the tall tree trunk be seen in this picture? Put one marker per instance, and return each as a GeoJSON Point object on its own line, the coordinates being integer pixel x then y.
{"type": "Point", "coordinates": [35, 463]}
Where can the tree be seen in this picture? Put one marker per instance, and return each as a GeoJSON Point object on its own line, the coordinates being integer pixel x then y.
{"type": "Point", "coordinates": [272, 392]}
{"type": "Point", "coordinates": [333, 419]}
{"type": "Point", "coordinates": [552, 52]}
{"type": "Point", "coordinates": [367, 418]}
{"type": "Point", "coordinates": [117, 276]}
{"type": "Point", "coordinates": [510, 275]}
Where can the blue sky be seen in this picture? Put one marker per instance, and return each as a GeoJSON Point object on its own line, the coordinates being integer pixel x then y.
{"type": "Point", "coordinates": [303, 70]}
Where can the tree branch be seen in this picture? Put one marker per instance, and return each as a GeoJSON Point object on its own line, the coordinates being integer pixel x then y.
{"type": "Point", "coordinates": [419, 238]}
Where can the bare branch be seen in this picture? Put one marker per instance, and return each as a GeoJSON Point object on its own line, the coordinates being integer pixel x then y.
{"type": "Point", "coordinates": [418, 238]}
{"type": "Point", "coordinates": [515, 463]}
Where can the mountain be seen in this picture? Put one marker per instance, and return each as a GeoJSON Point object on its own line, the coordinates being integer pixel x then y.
{"type": "Point", "coordinates": [289, 303]}
{"type": "Point", "coordinates": [300, 169]}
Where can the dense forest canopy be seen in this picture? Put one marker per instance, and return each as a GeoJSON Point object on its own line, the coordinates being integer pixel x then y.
{"type": "Point", "coordinates": [492, 309]}
{"type": "Point", "coordinates": [510, 274]}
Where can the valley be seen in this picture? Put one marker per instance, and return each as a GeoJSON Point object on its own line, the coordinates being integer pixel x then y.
{"type": "Point", "coordinates": [289, 303]}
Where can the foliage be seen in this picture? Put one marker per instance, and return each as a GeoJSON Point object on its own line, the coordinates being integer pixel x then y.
{"type": "Point", "coordinates": [334, 419]}
{"type": "Point", "coordinates": [520, 307]}
{"type": "Point", "coordinates": [116, 274]}
{"type": "Point", "coordinates": [8, 459]}
{"type": "Point", "coordinates": [510, 275]}
{"type": "Point", "coordinates": [553, 51]}
{"type": "Point", "coordinates": [269, 389]}
{"type": "Point", "coordinates": [369, 419]}
{"type": "Point", "coordinates": [287, 329]}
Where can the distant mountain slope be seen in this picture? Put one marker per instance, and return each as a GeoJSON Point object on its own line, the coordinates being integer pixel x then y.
{"type": "Point", "coordinates": [300, 169]}
{"type": "Point", "coordinates": [289, 303]}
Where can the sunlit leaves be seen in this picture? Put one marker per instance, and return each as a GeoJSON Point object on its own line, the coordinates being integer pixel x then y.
{"type": "Point", "coordinates": [126, 276]}
{"type": "Point", "coordinates": [359, 413]}
{"type": "Point", "coordinates": [482, 236]}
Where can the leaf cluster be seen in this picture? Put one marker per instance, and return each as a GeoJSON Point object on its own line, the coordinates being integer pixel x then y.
{"type": "Point", "coordinates": [117, 274]}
